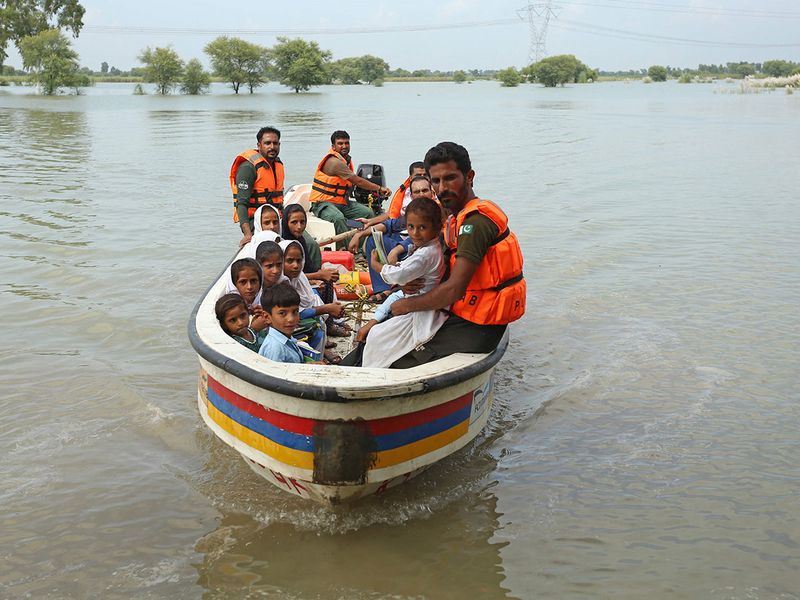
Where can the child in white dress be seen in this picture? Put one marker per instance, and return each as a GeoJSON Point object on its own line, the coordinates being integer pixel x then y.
{"type": "Point", "coordinates": [393, 338]}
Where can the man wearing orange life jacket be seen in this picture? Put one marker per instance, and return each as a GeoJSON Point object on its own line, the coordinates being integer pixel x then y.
{"type": "Point", "coordinates": [256, 178]}
{"type": "Point", "coordinates": [402, 195]}
{"type": "Point", "coordinates": [486, 288]}
{"type": "Point", "coordinates": [334, 179]}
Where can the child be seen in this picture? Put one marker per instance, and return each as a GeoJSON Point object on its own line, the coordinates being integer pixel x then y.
{"type": "Point", "coordinates": [270, 256]}
{"type": "Point", "coordinates": [267, 218]}
{"type": "Point", "coordinates": [282, 306]}
{"type": "Point", "coordinates": [244, 274]}
{"type": "Point", "coordinates": [311, 305]}
{"type": "Point", "coordinates": [235, 321]}
{"type": "Point", "coordinates": [392, 339]}
{"type": "Point", "coordinates": [294, 228]}
{"type": "Point", "coordinates": [246, 279]}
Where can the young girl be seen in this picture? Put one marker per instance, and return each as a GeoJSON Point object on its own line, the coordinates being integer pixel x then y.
{"type": "Point", "coordinates": [270, 256]}
{"type": "Point", "coordinates": [246, 279]}
{"type": "Point", "coordinates": [311, 304]}
{"type": "Point", "coordinates": [294, 228]}
{"type": "Point", "coordinates": [267, 218]}
{"type": "Point", "coordinates": [395, 337]}
{"type": "Point", "coordinates": [235, 321]}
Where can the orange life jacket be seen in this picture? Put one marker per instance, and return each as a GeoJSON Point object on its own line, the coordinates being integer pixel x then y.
{"type": "Point", "coordinates": [396, 205]}
{"type": "Point", "coordinates": [496, 293]}
{"type": "Point", "coordinates": [268, 187]}
{"type": "Point", "coordinates": [330, 188]}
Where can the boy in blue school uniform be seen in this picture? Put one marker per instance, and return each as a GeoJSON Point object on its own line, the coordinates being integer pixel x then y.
{"type": "Point", "coordinates": [282, 306]}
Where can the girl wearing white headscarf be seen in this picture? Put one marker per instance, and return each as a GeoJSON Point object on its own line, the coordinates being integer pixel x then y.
{"type": "Point", "coordinates": [273, 220]}
{"type": "Point", "coordinates": [311, 304]}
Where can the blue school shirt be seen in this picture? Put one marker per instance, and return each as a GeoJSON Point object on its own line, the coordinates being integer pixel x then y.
{"type": "Point", "coordinates": [279, 348]}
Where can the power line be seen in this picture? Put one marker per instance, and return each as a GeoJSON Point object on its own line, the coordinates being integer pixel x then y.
{"type": "Point", "coordinates": [580, 27]}
{"type": "Point", "coordinates": [139, 29]}
{"type": "Point", "coordinates": [684, 9]}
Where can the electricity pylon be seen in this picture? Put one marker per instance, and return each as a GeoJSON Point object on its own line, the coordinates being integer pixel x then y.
{"type": "Point", "coordinates": [538, 16]}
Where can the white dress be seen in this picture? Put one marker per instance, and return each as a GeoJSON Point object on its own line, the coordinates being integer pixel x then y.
{"type": "Point", "coordinates": [398, 336]}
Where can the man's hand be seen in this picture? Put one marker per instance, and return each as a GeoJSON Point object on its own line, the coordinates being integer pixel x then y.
{"type": "Point", "coordinates": [412, 287]}
{"type": "Point", "coordinates": [384, 192]}
{"type": "Point", "coordinates": [401, 306]}
{"type": "Point", "coordinates": [247, 237]}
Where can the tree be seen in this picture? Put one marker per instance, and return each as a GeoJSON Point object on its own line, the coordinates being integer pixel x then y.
{"type": "Point", "coordinates": [238, 62]}
{"type": "Point", "coordinates": [195, 79]}
{"type": "Point", "coordinates": [355, 69]}
{"type": "Point", "coordinates": [163, 67]}
{"type": "Point", "coordinates": [657, 73]}
{"type": "Point", "coordinates": [459, 77]}
{"type": "Point", "coordinates": [509, 77]}
{"type": "Point", "coordinates": [300, 64]}
{"type": "Point", "coordinates": [26, 18]}
{"type": "Point", "coordinates": [778, 68]}
{"type": "Point", "coordinates": [346, 71]}
{"type": "Point", "coordinates": [51, 61]}
{"type": "Point", "coordinates": [743, 69]}
{"type": "Point", "coordinates": [558, 70]}
{"type": "Point", "coordinates": [104, 67]}
{"type": "Point", "coordinates": [372, 68]}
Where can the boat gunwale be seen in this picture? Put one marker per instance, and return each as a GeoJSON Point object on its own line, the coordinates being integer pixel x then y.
{"type": "Point", "coordinates": [325, 393]}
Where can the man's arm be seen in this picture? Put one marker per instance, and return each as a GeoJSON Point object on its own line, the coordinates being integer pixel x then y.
{"type": "Point", "coordinates": [245, 179]}
{"type": "Point", "coordinates": [442, 295]}
{"type": "Point", "coordinates": [337, 167]}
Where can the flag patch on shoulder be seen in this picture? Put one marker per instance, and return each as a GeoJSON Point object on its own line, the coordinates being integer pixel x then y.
{"type": "Point", "coordinates": [465, 229]}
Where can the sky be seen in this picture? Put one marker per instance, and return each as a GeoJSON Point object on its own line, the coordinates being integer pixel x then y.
{"type": "Point", "coordinates": [608, 35]}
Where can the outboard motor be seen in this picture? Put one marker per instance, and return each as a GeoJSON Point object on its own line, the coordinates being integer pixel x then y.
{"type": "Point", "coordinates": [373, 173]}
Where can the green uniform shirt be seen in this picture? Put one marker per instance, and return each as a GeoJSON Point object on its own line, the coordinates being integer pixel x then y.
{"type": "Point", "coordinates": [476, 234]}
{"type": "Point", "coordinates": [245, 180]}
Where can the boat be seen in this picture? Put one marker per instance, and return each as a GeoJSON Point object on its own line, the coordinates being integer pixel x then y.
{"type": "Point", "coordinates": [334, 434]}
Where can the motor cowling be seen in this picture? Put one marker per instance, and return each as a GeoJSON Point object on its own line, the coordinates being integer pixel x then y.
{"type": "Point", "coordinates": [374, 174]}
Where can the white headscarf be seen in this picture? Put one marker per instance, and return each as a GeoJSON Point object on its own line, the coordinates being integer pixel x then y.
{"type": "Point", "coordinates": [257, 218]}
{"type": "Point", "coordinates": [262, 236]}
{"type": "Point", "coordinates": [308, 299]}
{"type": "Point", "coordinates": [249, 251]}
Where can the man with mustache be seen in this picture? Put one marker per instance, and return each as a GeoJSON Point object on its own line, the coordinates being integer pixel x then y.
{"type": "Point", "coordinates": [256, 178]}
{"type": "Point", "coordinates": [334, 179]}
{"type": "Point", "coordinates": [486, 288]}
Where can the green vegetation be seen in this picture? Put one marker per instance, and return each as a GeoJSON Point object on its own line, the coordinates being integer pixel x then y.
{"type": "Point", "coordinates": [558, 70]}
{"type": "Point", "coordinates": [657, 73]}
{"type": "Point", "coordinates": [459, 76]}
{"type": "Point", "coordinates": [51, 61]}
{"type": "Point", "coordinates": [138, 90]}
{"type": "Point", "coordinates": [300, 64]}
{"type": "Point", "coordinates": [27, 18]}
{"type": "Point", "coordinates": [195, 79]}
{"type": "Point", "coordinates": [510, 77]}
{"type": "Point", "coordinates": [779, 68]}
{"type": "Point", "coordinates": [358, 69]}
{"type": "Point", "coordinates": [239, 62]}
{"type": "Point", "coordinates": [163, 67]}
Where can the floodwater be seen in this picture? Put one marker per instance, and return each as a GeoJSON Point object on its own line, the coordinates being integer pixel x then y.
{"type": "Point", "coordinates": [644, 440]}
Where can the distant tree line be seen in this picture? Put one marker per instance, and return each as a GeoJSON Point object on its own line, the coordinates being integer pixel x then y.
{"type": "Point", "coordinates": [769, 68]}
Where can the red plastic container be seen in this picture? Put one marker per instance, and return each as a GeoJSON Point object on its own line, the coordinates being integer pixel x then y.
{"type": "Point", "coordinates": [339, 257]}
